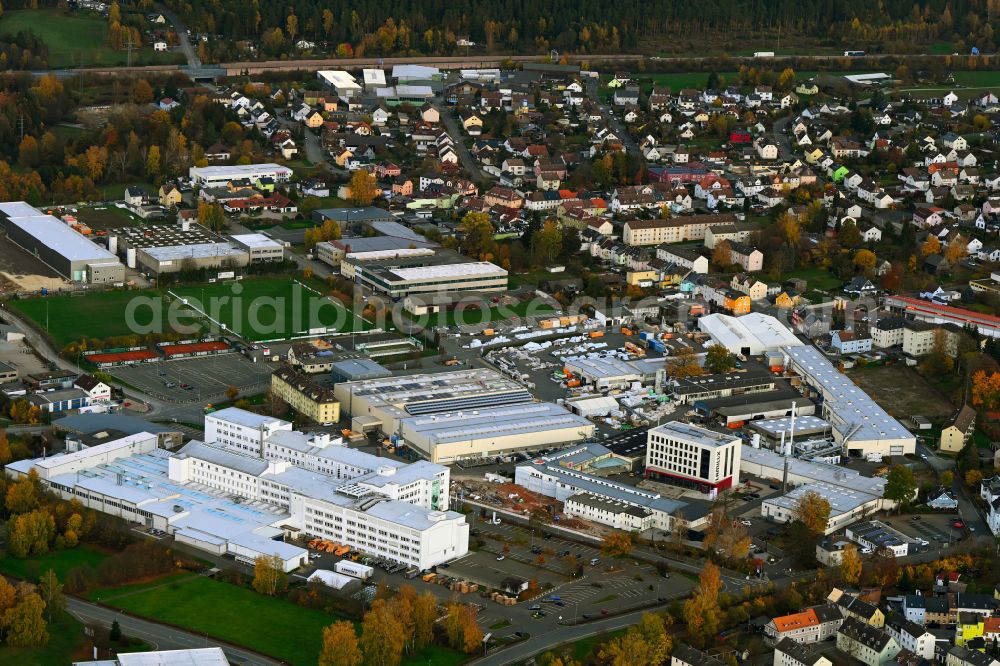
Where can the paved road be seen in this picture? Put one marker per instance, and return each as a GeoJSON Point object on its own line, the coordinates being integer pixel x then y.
{"type": "Point", "coordinates": [468, 161]}
{"type": "Point", "coordinates": [612, 119]}
{"type": "Point", "coordinates": [182, 34]}
{"type": "Point", "coordinates": [159, 636]}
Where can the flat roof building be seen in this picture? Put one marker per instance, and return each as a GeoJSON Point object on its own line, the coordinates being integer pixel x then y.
{"type": "Point", "coordinates": [259, 247]}
{"type": "Point", "coordinates": [60, 247]}
{"type": "Point", "coordinates": [342, 82]}
{"type": "Point", "coordinates": [751, 334]}
{"type": "Point", "coordinates": [158, 249]}
{"type": "Point", "coordinates": [400, 282]}
{"type": "Point", "coordinates": [583, 469]}
{"type": "Point", "coordinates": [493, 431]}
{"type": "Point", "coordinates": [384, 402]}
{"type": "Point", "coordinates": [219, 176]}
{"type": "Point", "coordinates": [694, 457]}
{"type": "Point", "coordinates": [859, 423]}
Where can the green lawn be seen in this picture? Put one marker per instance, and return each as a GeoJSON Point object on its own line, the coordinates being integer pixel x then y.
{"type": "Point", "coordinates": [816, 278]}
{"type": "Point", "coordinates": [78, 40]}
{"type": "Point", "coordinates": [59, 561]}
{"type": "Point", "coordinates": [268, 309]}
{"type": "Point", "coordinates": [279, 308]}
{"type": "Point", "coordinates": [96, 314]}
{"type": "Point", "coordinates": [239, 615]}
{"type": "Point", "coordinates": [65, 636]}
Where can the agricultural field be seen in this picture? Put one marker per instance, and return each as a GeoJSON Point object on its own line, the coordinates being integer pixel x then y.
{"type": "Point", "coordinates": [76, 40]}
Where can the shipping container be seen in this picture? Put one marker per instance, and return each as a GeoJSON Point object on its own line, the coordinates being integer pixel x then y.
{"type": "Point", "coordinates": [597, 334]}
{"type": "Point", "coordinates": [626, 331]}
{"type": "Point", "coordinates": [362, 571]}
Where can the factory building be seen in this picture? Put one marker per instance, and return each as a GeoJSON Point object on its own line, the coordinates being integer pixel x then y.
{"type": "Point", "coordinates": [492, 431]}
{"type": "Point", "coordinates": [159, 249]}
{"type": "Point", "coordinates": [689, 390]}
{"type": "Point", "coordinates": [296, 484]}
{"type": "Point", "coordinates": [737, 410]}
{"type": "Point", "coordinates": [259, 247]}
{"type": "Point", "coordinates": [859, 423]}
{"type": "Point", "coordinates": [401, 282]}
{"type": "Point", "coordinates": [578, 477]}
{"type": "Point", "coordinates": [610, 373]}
{"type": "Point", "coordinates": [693, 457]}
{"type": "Point", "coordinates": [383, 403]}
{"type": "Point", "coordinates": [851, 495]}
{"type": "Point", "coordinates": [241, 429]}
{"type": "Point", "coordinates": [221, 176]}
{"type": "Point", "coordinates": [60, 247]}
{"type": "Point", "coordinates": [751, 334]}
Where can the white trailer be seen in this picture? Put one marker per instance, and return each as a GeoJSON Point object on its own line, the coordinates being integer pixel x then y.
{"type": "Point", "coordinates": [353, 569]}
{"type": "Point", "coordinates": [763, 54]}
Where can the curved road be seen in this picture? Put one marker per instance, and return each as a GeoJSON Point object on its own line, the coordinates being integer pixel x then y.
{"type": "Point", "coordinates": [160, 636]}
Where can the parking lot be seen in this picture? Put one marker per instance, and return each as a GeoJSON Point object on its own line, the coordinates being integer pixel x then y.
{"type": "Point", "coordinates": [196, 379]}
{"type": "Point", "coordinates": [937, 529]}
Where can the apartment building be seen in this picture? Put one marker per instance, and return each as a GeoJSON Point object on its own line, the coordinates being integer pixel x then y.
{"type": "Point", "coordinates": [674, 230]}
{"type": "Point", "coordinates": [809, 626]}
{"type": "Point", "coordinates": [869, 645]}
{"type": "Point", "coordinates": [911, 636]}
{"type": "Point", "coordinates": [306, 395]}
{"type": "Point", "coordinates": [792, 653]}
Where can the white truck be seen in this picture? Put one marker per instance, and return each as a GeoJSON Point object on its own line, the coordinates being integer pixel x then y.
{"type": "Point", "coordinates": [353, 569]}
{"type": "Point", "coordinates": [763, 54]}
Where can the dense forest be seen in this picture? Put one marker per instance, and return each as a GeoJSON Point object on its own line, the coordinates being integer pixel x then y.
{"type": "Point", "coordinates": [381, 27]}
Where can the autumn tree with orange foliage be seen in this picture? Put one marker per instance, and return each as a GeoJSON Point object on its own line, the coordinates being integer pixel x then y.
{"type": "Point", "coordinates": [701, 612]}
{"type": "Point", "coordinates": [986, 390]}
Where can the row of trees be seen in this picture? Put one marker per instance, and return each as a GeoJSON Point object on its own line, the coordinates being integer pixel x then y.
{"type": "Point", "coordinates": [398, 625]}
{"type": "Point", "coordinates": [37, 522]}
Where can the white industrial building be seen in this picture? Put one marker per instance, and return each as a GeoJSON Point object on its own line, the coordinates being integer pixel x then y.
{"type": "Point", "coordinates": [241, 429]}
{"type": "Point", "coordinates": [60, 247]}
{"type": "Point", "coordinates": [577, 476]}
{"type": "Point", "coordinates": [859, 423]}
{"type": "Point", "coordinates": [220, 176]}
{"type": "Point", "coordinates": [609, 372]}
{"type": "Point", "coordinates": [851, 495]}
{"type": "Point", "coordinates": [343, 83]}
{"type": "Point", "coordinates": [493, 431]}
{"type": "Point", "coordinates": [381, 404]}
{"type": "Point", "coordinates": [481, 276]}
{"type": "Point", "coordinates": [688, 455]}
{"type": "Point", "coordinates": [207, 656]}
{"type": "Point", "coordinates": [259, 247]}
{"type": "Point", "coordinates": [751, 335]}
{"type": "Point", "coordinates": [260, 483]}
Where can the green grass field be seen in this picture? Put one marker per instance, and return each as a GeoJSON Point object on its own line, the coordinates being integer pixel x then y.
{"type": "Point", "coordinates": [59, 561]}
{"type": "Point", "coordinates": [96, 315]}
{"type": "Point", "coordinates": [816, 278]}
{"type": "Point", "coordinates": [65, 637]}
{"type": "Point", "coordinates": [269, 309]}
{"type": "Point", "coordinates": [260, 309]}
{"type": "Point", "coordinates": [78, 41]}
{"type": "Point", "coordinates": [239, 615]}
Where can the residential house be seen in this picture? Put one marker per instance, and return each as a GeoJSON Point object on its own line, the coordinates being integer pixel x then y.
{"type": "Point", "coordinates": [792, 653]}
{"type": "Point", "coordinates": [747, 256]}
{"type": "Point", "coordinates": [870, 645]}
{"type": "Point", "coordinates": [956, 434]}
{"type": "Point", "coordinates": [850, 342]}
{"type": "Point", "coordinates": [911, 636]}
{"type": "Point", "coordinates": [170, 196]}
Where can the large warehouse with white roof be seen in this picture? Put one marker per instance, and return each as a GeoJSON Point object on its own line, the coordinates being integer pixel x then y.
{"type": "Point", "coordinates": [59, 246]}
{"type": "Point", "coordinates": [752, 334]}
{"type": "Point", "coordinates": [494, 431]}
{"type": "Point", "coordinates": [859, 423]}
